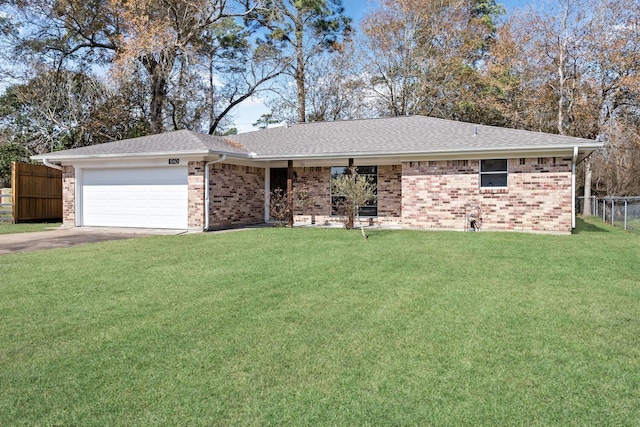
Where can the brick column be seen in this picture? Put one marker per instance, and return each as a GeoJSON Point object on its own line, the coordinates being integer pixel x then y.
{"type": "Point", "coordinates": [69, 196]}
{"type": "Point", "coordinates": [196, 194]}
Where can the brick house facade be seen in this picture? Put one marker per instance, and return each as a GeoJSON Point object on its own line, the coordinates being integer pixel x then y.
{"type": "Point", "coordinates": [538, 196]}
{"type": "Point", "coordinates": [433, 195]}
{"type": "Point", "coordinates": [420, 194]}
{"type": "Point", "coordinates": [427, 173]}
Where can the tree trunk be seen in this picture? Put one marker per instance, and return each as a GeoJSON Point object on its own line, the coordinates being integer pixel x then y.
{"type": "Point", "coordinates": [158, 93]}
{"type": "Point", "coordinates": [302, 111]}
{"type": "Point", "coordinates": [300, 70]}
{"type": "Point", "coordinates": [560, 117]}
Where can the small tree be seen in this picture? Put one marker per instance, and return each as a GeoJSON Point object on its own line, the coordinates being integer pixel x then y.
{"type": "Point", "coordinates": [357, 191]}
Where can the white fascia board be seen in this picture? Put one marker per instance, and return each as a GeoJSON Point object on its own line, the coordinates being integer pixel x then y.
{"type": "Point", "coordinates": [437, 155]}
{"type": "Point", "coordinates": [126, 163]}
{"type": "Point", "coordinates": [74, 157]}
{"type": "Point", "coordinates": [134, 157]}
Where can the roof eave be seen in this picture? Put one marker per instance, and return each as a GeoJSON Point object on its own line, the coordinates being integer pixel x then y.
{"type": "Point", "coordinates": [476, 153]}
{"type": "Point", "coordinates": [130, 156]}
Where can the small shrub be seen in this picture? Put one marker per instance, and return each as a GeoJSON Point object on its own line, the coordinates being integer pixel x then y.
{"type": "Point", "coordinates": [280, 211]}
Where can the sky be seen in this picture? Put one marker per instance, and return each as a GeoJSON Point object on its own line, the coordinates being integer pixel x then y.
{"type": "Point", "coordinates": [250, 110]}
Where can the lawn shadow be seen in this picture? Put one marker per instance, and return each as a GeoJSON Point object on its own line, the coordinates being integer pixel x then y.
{"type": "Point", "coordinates": [589, 226]}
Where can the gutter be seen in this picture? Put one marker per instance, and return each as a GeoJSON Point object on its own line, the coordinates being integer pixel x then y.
{"type": "Point", "coordinates": [573, 187]}
{"type": "Point", "coordinates": [206, 189]}
{"type": "Point", "coordinates": [55, 156]}
{"type": "Point", "coordinates": [51, 165]}
{"type": "Point", "coordinates": [475, 152]}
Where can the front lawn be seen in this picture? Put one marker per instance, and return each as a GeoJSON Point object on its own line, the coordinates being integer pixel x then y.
{"type": "Point", "coordinates": [7, 227]}
{"type": "Point", "coordinates": [318, 327]}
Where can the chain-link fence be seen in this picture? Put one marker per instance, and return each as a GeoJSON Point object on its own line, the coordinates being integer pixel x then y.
{"type": "Point", "coordinates": [593, 201]}
{"type": "Point", "coordinates": [621, 211]}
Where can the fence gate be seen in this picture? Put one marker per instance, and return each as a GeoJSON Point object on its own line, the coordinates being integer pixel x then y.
{"type": "Point", "coordinates": [37, 193]}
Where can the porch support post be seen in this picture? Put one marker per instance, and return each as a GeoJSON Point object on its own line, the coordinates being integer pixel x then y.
{"type": "Point", "coordinates": [290, 191]}
{"type": "Point", "coordinates": [267, 194]}
{"type": "Point", "coordinates": [351, 215]}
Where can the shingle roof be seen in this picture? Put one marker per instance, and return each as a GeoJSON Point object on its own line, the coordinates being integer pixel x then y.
{"type": "Point", "coordinates": [396, 135]}
{"type": "Point", "coordinates": [178, 142]}
{"type": "Point", "coordinates": [412, 135]}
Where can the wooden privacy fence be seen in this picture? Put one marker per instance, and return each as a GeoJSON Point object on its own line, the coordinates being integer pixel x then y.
{"type": "Point", "coordinates": [37, 193]}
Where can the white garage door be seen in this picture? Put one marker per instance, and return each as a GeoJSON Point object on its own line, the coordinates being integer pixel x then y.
{"type": "Point", "coordinates": [141, 197]}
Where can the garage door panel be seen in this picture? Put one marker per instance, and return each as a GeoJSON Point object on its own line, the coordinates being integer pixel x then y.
{"type": "Point", "coordinates": [146, 197]}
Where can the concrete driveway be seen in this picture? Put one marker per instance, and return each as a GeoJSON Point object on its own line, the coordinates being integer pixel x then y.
{"type": "Point", "coordinates": [66, 237]}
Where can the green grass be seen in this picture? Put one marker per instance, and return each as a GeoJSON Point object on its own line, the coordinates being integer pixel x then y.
{"type": "Point", "coordinates": [633, 225]}
{"type": "Point", "coordinates": [317, 327]}
{"type": "Point", "coordinates": [9, 228]}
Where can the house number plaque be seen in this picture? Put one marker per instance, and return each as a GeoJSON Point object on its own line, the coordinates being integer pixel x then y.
{"type": "Point", "coordinates": [174, 161]}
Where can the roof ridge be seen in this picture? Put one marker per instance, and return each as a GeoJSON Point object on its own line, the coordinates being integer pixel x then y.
{"type": "Point", "coordinates": [203, 138]}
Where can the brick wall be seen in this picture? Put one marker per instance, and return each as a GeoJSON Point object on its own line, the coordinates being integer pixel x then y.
{"type": "Point", "coordinates": [316, 182]}
{"type": "Point", "coordinates": [196, 194]}
{"type": "Point", "coordinates": [390, 193]}
{"type": "Point", "coordinates": [236, 195]}
{"type": "Point", "coordinates": [538, 197]}
{"type": "Point", "coordinates": [69, 195]}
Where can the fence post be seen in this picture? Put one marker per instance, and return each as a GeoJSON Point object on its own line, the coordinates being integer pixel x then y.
{"type": "Point", "coordinates": [613, 206]}
{"type": "Point", "coordinates": [625, 214]}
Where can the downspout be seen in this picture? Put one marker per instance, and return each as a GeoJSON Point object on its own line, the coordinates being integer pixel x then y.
{"type": "Point", "coordinates": [573, 187]}
{"type": "Point", "coordinates": [207, 206]}
{"type": "Point", "coordinates": [51, 165]}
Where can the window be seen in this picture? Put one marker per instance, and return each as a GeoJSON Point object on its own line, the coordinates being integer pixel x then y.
{"type": "Point", "coordinates": [493, 173]}
{"type": "Point", "coordinates": [337, 200]}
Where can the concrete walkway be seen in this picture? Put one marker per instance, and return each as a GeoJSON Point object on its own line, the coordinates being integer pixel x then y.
{"type": "Point", "coordinates": [66, 237]}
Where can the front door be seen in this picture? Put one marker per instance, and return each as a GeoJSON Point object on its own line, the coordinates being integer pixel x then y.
{"type": "Point", "coordinates": [278, 179]}
{"type": "Point", "coordinates": [278, 194]}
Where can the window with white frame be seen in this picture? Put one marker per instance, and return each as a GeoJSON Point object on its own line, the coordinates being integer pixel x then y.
{"type": "Point", "coordinates": [337, 200]}
{"type": "Point", "coordinates": [494, 173]}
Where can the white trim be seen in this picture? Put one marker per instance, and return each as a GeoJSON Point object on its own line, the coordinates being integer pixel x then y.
{"type": "Point", "coordinates": [471, 154]}
{"type": "Point", "coordinates": [131, 163]}
{"type": "Point", "coordinates": [78, 196]}
{"type": "Point", "coordinates": [361, 158]}
{"type": "Point", "coordinates": [200, 155]}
